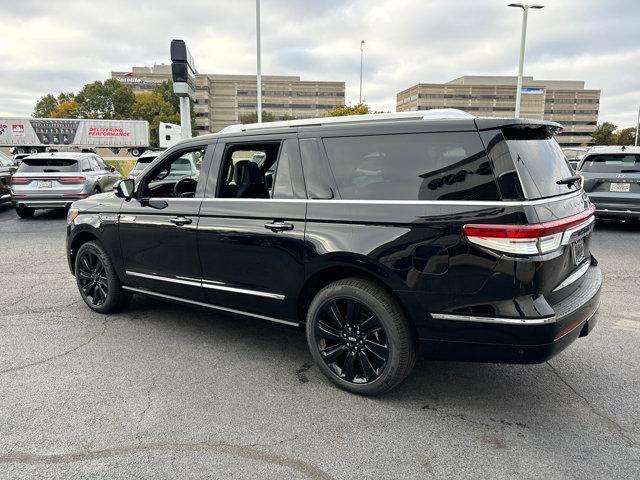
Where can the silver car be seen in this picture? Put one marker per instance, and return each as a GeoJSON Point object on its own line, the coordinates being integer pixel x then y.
{"type": "Point", "coordinates": [143, 162]}
{"type": "Point", "coordinates": [56, 180]}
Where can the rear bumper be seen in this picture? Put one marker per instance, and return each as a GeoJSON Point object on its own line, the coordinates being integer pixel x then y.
{"type": "Point", "coordinates": [616, 208]}
{"type": "Point", "coordinates": [527, 340]}
{"type": "Point", "coordinates": [46, 202]}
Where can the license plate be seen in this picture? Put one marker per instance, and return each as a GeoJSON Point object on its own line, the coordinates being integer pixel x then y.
{"type": "Point", "coordinates": [45, 184]}
{"type": "Point", "coordinates": [577, 249]}
{"type": "Point", "coordinates": [619, 187]}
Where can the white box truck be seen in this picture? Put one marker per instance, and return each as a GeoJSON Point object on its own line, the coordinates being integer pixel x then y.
{"type": "Point", "coordinates": [33, 135]}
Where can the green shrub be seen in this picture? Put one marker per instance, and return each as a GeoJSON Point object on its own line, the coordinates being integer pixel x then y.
{"type": "Point", "coordinates": [123, 166]}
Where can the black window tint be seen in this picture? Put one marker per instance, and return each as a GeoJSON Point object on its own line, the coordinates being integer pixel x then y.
{"type": "Point", "coordinates": [316, 174]}
{"type": "Point", "coordinates": [540, 164]}
{"type": "Point", "coordinates": [48, 165]}
{"type": "Point", "coordinates": [282, 187]}
{"type": "Point", "coordinates": [611, 163]}
{"type": "Point", "coordinates": [425, 166]}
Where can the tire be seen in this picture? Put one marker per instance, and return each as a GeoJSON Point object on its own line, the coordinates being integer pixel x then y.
{"type": "Point", "coordinates": [96, 190]}
{"type": "Point", "coordinates": [34, 150]}
{"type": "Point", "coordinates": [24, 212]}
{"type": "Point", "coordinates": [378, 329]}
{"type": "Point", "coordinates": [97, 281]}
{"type": "Point", "coordinates": [136, 152]}
{"type": "Point", "coordinates": [21, 150]}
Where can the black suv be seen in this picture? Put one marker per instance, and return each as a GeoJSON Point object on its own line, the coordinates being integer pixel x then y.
{"type": "Point", "coordinates": [381, 236]}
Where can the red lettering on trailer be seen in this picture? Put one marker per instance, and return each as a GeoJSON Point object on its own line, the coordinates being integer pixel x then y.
{"type": "Point", "coordinates": [108, 132]}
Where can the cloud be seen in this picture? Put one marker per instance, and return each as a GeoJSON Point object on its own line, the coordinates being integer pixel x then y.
{"type": "Point", "coordinates": [58, 46]}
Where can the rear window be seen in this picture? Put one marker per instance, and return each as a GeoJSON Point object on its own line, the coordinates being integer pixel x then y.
{"type": "Point", "coordinates": [612, 163]}
{"type": "Point", "coordinates": [539, 161]}
{"type": "Point", "coordinates": [424, 166]}
{"type": "Point", "coordinates": [48, 165]}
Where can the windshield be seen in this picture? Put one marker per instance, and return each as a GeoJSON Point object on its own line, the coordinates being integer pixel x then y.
{"type": "Point", "coordinates": [540, 163]}
{"type": "Point", "coordinates": [48, 165]}
{"type": "Point", "coordinates": [5, 161]}
{"type": "Point", "coordinates": [142, 164]}
{"type": "Point", "coordinates": [612, 163]}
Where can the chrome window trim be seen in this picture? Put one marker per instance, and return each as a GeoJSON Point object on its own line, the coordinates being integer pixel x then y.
{"type": "Point", "coordinates": [205, 284]}
{"type": "Point", "coordinates": [501, 320]}
{"type": "Point", "coordinates": [492, 203]}
{"type": "Point", "coordinates": [209, 305]}
{"type": "Point", "coordinates": [576, 275]}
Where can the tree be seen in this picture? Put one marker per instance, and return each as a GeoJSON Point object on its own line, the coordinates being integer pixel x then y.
{"type": "Point", "coordinates": [253, 117]}
{"type": "Point", "coordinates": [357, 109]}
{"type": "Point", "coordinates": [45, 106]}
{"type": "Point", "coordinates": [153, 108]}
{"type": "Point", "coordinates": [626, 136]}
{"type": "Point", "coordinates": [66, 109]}
{"type": "Point", "coordinates": [110, 100]}
{"type": "Point", "coordinates": [603, 134]}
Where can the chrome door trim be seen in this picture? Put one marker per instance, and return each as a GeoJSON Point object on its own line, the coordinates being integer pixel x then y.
{"type": "Point", "coordinates": [501, 320]}
{"type": "Point", "coordinates": [205, 284]}
{"type": "Point", "coordinates": [216, 286]}
{"type": "Point", "coordinates": [209, 305]}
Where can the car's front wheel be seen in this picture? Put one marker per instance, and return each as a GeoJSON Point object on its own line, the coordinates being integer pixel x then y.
{"type": "Point", "coordinates": [359, 336]}
{"type": "Point", "coordinates": [97, 280]}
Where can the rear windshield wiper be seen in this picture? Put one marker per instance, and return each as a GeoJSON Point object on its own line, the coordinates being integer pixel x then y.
{"type": "Point", "coordinates": [569, 180]}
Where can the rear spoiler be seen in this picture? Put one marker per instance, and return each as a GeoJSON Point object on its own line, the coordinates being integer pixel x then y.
{"type": "Point", "coordinates": [499, 123]}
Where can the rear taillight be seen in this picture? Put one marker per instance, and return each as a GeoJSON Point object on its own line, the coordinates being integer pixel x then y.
{"type": "Point", "coordinates": [526, 239]}
{"type": "Point", "coordinates": [19, 180]}
{"type": "Point", "coordinates": [71, 179]}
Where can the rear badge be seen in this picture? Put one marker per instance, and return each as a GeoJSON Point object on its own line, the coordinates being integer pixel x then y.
{"type": "Point", "coordinates": [109, 218]}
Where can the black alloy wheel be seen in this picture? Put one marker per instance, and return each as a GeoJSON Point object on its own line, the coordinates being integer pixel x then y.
{"type": "Point", "coordinates": [92, 278]}
{"type": "Point", "coordinates": [351, 340]}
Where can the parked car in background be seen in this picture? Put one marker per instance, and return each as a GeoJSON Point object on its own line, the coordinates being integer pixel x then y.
{"type": "Point", "coordinates": [55, 180]}
{"type": "Point", "coordinates": [143, 161]}
{"type": "Point", "coordinates": [574, 155]}
{"type": "Point", "coordinates": [7, 169]}
{"type": "Point", "coordinates": [612, 181]}
{"type": "Point", "coordinates": [381, 236]}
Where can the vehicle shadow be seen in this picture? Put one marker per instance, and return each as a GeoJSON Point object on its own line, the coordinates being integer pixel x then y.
{"type": "Point", "coordinates": [617, 225]}
{"type": "Point", "coordinates": [480, 390]}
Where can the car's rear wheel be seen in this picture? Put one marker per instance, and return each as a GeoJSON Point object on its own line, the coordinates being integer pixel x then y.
{"type": "Point", "coordinates": [97, 280]}
{"type": "Point", "coordinates": [24, 212]}
{"type": "Point", "coordinates": [359, 336]}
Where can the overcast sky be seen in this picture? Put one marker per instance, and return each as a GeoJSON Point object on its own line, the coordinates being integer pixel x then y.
{"type": "Point", "coordinates": [52, 46]}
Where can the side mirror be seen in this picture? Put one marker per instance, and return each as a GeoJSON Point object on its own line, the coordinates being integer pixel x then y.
{"type": "Point", "coordinates": [112, 168]}
{"type": "Point", "coordinates": [125, 188]}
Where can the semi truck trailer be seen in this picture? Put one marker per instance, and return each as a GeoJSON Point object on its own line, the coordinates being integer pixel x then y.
{"type": "Point", "coordinates": [34, 135]}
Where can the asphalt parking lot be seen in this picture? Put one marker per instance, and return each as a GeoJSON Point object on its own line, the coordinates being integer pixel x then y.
{"type": "Point", "coordinates": [165, 391]}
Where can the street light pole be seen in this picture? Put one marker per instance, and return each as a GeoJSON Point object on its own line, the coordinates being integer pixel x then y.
{"type": "Point", "coordinates": [525, 14]}
{"type": "Point", "coordinates": [259, 68]}
{"type": "Point", "coordinates": [637, 125]}
{"type": "Point", "coordinates": [361, 57]}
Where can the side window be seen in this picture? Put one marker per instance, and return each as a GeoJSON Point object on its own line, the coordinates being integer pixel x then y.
{"type": "Point", "coordinates": [316, 172]}
{"type": "Point", "coordinates": [85, 165]}
{"type": "Point", "coordinates": [94, 164]}
{"type": "Point", "coordinates": [423, 166]}
{"type": "Point", "coordinates": [249, 170]}
{"type": "Point", "coordinates": [282, 187]}
{"type": "Point", "coordinates": [176, 176]}
{"type": "Point", "coordinates": [101, 164]}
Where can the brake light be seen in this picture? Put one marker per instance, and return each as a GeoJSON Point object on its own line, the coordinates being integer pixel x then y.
{"type": "Point", "coordinates": [19, 180]}
{"type": "Point", "coordinates": [525, 239]}
{"type": "Point", "coordinates": [74, 194]}
{"type": "Point", "coordinates": [71, 179]}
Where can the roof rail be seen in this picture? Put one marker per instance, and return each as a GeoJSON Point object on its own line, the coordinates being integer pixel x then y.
{"type": "Point", "coordinates": [435, 114]}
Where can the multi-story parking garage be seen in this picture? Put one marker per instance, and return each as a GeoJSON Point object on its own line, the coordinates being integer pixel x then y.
{"type": "Point", "coordinates": [566, 102]}
{"type": "Point", "coordinates": [223, 100]}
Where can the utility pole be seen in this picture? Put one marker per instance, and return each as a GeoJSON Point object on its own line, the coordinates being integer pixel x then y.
{"type": "Point", "coordinates": [525, 14]}
{"type": "Point", "coordinates": [259, 83]}
{"type": "Point", "coordinates": [361, 58]}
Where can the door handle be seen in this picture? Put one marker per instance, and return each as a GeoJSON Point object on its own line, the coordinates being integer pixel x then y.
{"type": "Point", "coordinates": [180, 221]}
{"type": "Point", "coordinates": [278, 226]}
